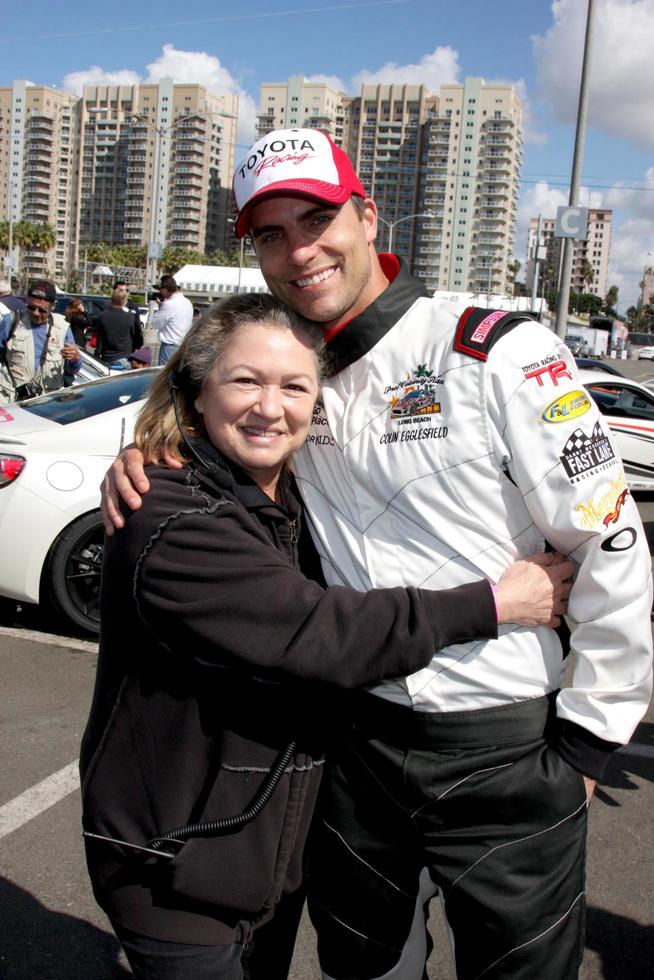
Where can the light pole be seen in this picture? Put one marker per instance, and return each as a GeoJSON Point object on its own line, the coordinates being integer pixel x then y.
{"type": "Point", "coordinates": [407, 217]}
{"type": "Point", "coordinates": [241, 259]}
{"type": "Point", "coordinates": [575, 178]}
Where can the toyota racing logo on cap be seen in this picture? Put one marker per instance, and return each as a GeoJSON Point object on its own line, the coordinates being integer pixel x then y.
{"type": "Point", "coordinates": [293, 161]}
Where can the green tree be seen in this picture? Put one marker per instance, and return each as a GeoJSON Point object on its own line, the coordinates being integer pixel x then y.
{"type": "Point", "coordinates": [611, 300]}
{"type": "Point", "coordinates": [173, 259]}
{"type": "Point", "coordinates": [587, 273]}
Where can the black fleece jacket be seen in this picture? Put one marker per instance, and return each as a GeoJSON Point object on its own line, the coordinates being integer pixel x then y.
{"type": "Point", "coordinates": [215, 652]}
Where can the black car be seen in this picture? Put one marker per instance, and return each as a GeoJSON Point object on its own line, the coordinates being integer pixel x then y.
{"type": "Point", "coordinates": [588, 364]}
{"type": "Point", "coordinates": [92, 304]}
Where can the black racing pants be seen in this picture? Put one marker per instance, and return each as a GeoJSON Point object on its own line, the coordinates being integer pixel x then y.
{"type": "Point", "coordinates": [483, 802]}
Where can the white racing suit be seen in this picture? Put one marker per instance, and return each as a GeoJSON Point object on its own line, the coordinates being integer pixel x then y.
{"type": "Point", "coordinates": [448, 445]}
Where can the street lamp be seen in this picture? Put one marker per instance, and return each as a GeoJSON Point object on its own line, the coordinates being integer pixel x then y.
{"type": "Point", "coordinates": [232, 221]}
{"type": "Point", "coordinates": [407, 217]}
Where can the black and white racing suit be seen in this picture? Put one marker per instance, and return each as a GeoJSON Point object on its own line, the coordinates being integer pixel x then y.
{"type": "Point", "coordinates": [446, 447]}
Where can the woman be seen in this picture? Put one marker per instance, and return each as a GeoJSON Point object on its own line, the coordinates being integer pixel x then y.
{"type": "Point", "coordinates": [119, 330]}
{"type": "Point", "coordinates": [79, 320]}
{"type": "Point", "coordinates": [212, 701]}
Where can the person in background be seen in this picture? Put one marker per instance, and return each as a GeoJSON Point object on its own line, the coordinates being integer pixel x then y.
{"type": "Point", "coordinates": [218, 640]}
{"type": "Point", "coordinates": [8, 299]}
{"type": "Point", "coordinates": [448, 441]}
{"type": "Point", "coordinates": [173, 319]}
{"type": "Point", "coordinates": [35, 348]}
{"type": "Point", "coordinates": [80, 322]}
{"type": "Point", "coordinates": [119, 333]}
{"type": "Point", "coordinates": [140, 358]}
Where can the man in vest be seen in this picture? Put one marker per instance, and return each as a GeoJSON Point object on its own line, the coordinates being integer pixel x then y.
{"type": "Point", "coordinates": [34, 347]}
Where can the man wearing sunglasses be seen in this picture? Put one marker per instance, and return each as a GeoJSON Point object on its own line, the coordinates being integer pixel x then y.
{"type": "Point", "coordinates": [35, 346]}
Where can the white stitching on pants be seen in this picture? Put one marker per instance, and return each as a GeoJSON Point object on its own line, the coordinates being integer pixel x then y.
{"type": "Point", "coordinates": [363, 861]}
{"type": "Point", "coordinates": [352, 929]}
{"type": "Point", "coordinates": [478, 772]}
{"type": "Point", "coordinates": [535, 939]}
{"type": "Point", "coordinates": [519, 840]}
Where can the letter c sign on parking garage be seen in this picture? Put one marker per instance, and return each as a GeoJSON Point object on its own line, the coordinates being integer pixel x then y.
{"type": "Point", "coordinates": [571, 223]}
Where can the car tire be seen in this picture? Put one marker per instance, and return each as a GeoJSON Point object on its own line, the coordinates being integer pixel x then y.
{"type": "Point", "coordinates": [71, 582]}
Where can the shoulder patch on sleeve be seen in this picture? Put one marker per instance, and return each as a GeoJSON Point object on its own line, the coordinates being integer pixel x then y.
{"type": "Point", "coordinates": [478, 329]}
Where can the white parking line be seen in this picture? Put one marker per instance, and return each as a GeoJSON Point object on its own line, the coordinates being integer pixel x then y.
{"type": "Point", "coordinates": [69, 642]}
{"type": "Point", "coordinates": [38, 798]}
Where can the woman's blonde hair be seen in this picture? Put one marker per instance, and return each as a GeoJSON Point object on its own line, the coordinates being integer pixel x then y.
{"type": "Point", "coordinates": [157, 433]}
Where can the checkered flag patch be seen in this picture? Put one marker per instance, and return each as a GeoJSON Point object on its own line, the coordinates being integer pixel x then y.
{"type": "Point", "coordinates": [579, 441]}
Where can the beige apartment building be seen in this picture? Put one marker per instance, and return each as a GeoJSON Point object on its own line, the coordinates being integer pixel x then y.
{"type": "Point", "coordinates": [595, 250]}
{"type": "Point", "coordinates": [132, 164]}
{"type": "Point", "coordinates": [443, 168]}
{"type": "Point", "coordinates": [155, 165]}
{"type": "Point", "coordinates": [38, 145]}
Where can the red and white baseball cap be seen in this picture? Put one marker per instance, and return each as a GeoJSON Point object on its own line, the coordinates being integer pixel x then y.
{"type": "Point", "coordinates": [293, 161]}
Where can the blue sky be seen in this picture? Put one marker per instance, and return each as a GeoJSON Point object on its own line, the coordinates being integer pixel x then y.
{"type": "Point", "coordinates": [536, 45]}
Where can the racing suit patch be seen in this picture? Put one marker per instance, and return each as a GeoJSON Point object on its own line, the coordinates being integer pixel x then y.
{"type": "Point", "coordinates": [479, 329]}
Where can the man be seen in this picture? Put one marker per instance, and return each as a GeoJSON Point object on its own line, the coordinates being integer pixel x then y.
{"type": "Point", "coordinates": [124, 288]}
{"type": "Point", "coordinates": [173, 318]}
{"type": "Point", "coordinates": [35, 346]}
{"type": "Point", "coordinates": [118, 334]}
{"type": "Point", "coordinates": [449, 442]}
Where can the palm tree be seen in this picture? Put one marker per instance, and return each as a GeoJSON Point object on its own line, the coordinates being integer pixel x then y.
{"type": "Point", "coordinates": [587, 272]}
{"type": "Point", "coordinates": [611, 300]}
{"type": "Point", "coordinates": [513, 270]}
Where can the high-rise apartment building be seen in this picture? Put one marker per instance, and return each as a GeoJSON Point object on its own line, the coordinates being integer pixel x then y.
{"type": "Point", "coordinates": [127, 164]}
{"type": "Point", "coordinates": [38, 134]}
{"type": "Point", "coordinates": [299, 102]}
{"type": "Point", "coordinates": [590, 257]}
{"type": "Point", "coordinates": [443, 168]}
{"type": "Point", "coordinates": [155, 165]}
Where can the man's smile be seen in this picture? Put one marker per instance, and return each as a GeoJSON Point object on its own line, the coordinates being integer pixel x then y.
{"type": "Point", "coordinates": [316, 278]}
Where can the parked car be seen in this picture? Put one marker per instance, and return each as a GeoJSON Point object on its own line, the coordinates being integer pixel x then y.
{"type": "Point", "coordinates": [92, 304]}
{"type": "Point", "coordinates": [588, 364]}
{"type": "Point", "coordinates": [54, 451]}
{"type": "Point", "coordinates": [628, 410]}
{"type": "Point", "coordinates": [646, 354]}
{"type": "Point", "coordinates": [577, 345]}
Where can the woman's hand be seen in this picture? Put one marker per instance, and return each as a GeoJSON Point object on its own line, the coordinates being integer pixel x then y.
{"type": "Point", "coordinates": [535, 590]}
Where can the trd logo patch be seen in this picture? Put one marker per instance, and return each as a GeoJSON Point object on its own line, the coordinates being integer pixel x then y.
{"type": "Point", "coordinates": [555, 370]}
{"type": "Point", "coordinates": [583, 454]}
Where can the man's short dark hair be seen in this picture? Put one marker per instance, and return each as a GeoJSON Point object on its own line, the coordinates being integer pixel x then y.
{"type": "Point", "coordinates": [168, 283]}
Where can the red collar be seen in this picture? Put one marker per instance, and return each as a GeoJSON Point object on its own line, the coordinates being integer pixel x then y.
{"type": "Point", "coordinates": [390, 267]}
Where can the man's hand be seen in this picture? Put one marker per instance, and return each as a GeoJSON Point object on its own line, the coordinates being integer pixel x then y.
{"type": "Point", "coordinates": [70, 352]}
{"type": "Point", "coordinates": [125, 478]}
{"type": "Point", "coordinates": [590, 788]}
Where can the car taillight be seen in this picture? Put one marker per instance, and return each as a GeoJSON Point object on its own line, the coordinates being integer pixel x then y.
{"type": "Point", "coordinates": [10, 468]}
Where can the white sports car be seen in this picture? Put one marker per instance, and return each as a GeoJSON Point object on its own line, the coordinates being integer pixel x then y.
{"type": "Point", "coordinates": [54, 451]}
{"type": "Point", "coordinates": [628, 410]}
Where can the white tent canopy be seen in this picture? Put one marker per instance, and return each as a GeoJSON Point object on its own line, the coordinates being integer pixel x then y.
{"type": "Point", "coordinates": [218, 280]}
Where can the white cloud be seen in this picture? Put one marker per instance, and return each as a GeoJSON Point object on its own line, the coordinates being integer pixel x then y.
{"type": "Point", "coordinates": [332, 80]}
{"type": "Point", "coordinates": [440, 67]}
{"type": "Point", "coordinates": [621, 92]}
{"type": "Point", "coordinates": [76, 80]}
{"type": "Point", "coordinates": [201, 68]}
{"type": "Point", "coordinates": [197, 67]}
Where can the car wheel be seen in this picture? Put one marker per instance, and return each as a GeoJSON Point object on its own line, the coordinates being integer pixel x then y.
{"type": "Point", "coordinates": [71, 584]}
